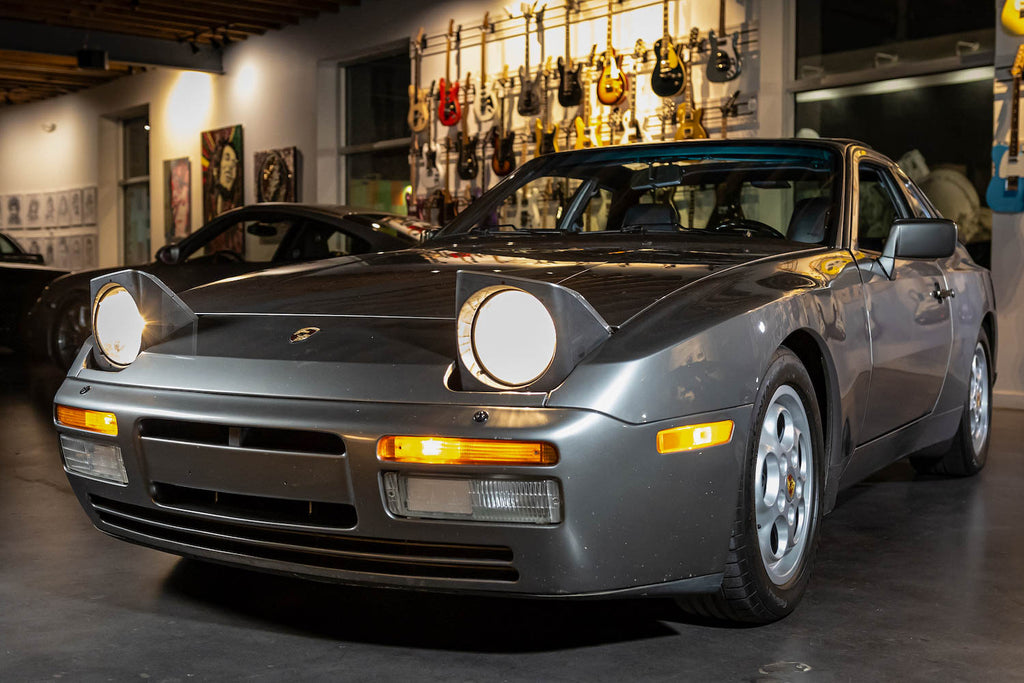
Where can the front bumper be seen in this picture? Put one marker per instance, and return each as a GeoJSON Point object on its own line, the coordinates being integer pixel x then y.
{"type": "Point", "coordinates": [634, 521]}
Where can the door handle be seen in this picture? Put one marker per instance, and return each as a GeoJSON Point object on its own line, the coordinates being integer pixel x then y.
{"type": "Point", "coordinates": [942, 294]}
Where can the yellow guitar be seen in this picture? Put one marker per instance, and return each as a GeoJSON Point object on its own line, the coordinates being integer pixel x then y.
{"type": "Point", "coordinates": [1013, 16]}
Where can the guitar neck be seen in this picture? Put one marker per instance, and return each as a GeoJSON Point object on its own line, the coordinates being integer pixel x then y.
{"type": "Point", "coordinates": [527, 47]}
{"type": "Point", "coordinates": [448, 60]}
{"type": "Point", "coordinates": [664, 19]}
{"type": "Point", "coordinates": [721, 18]}
{"type": "Point", "coordinates": [1015, 118]}
{"type": "Point", "coordinates": [611, 8]}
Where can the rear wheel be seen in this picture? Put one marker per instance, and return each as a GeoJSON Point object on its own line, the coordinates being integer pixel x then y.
{"type": "Point", "coordinates": [969, 449]}
{"type": "Point", "coordinates": [70, 329]}
{"type": "Point", "coordinates": [776, 529]}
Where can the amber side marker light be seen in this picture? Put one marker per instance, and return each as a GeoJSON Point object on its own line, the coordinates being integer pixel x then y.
{"type": "Point", "coordinates": [447, 451]}
{"type": "Point", "coordinates": [89, 420]}
{"type": "Point", "coordinates": [694, 437]}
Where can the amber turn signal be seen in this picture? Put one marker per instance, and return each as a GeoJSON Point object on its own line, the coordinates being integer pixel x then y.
{"type": "Point", "coordinates": [694, 437]}
{"type": "Point", "coordinates": [447, 451]}
{"type": "Point", "coordinates": [89, 420]}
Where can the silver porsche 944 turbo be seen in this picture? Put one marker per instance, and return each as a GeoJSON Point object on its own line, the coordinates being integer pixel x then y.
{"type": "Point", "coordinates": [641, 370]}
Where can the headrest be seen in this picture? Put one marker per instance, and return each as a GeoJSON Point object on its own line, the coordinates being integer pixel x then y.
{"type": "Point", "coordinates": [651, 216]}
{"type": "Point", "coordinates": [807, 224]}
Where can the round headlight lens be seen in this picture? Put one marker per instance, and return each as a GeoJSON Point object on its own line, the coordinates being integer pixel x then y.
{"type": "Point", "coordinates": [117, 325]}
{"type": "Point", "coordinates": [513, 337]}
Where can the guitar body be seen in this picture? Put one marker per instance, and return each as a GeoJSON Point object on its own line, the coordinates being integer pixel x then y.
{"type": "Point", "coordinates": [419, 108]}
{"type": "Point", "coordinates": [449, 111]}
{"type": "Point", "coordinates": [612, 85]}
{"type": "Point", "coordinates": [503, 161]}
{"type": "Point", "coordinates": [1011, 17]}
{"type": "Point", "coordinates": [483, 110]}
{"type": "Point", "coordinates": [529, 96]}
{"type": "Point", "coordinates": [441, 200]}
{"type": "Point", "coordinates": [690, 123]}
{"type": "Point", "coordinates": [468, 167]}
{"type": "Point", "coordinates": [1002, 196]}
{"type": "Point", "coordinates": [724, 62]}
{"type": "Point", "coordinates": [570, 90]}
{"type": "Point", "coordinates": [547, 142]}
{"type": "Point", "coordinates": [669, 77]}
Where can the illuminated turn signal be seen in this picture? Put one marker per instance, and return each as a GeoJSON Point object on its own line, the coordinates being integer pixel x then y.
{"type": "Point", "coordinates": [447, 451]}
{"type": "Point", "coordinates": [693, 437]}
{"type": "Point", "coordinates": [89, 420]}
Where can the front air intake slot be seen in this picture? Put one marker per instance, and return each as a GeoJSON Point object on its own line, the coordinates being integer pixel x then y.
{"type": "Point", "coordinates": [257, 438]}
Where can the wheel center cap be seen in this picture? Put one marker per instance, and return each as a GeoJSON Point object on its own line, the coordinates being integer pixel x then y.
{"type": "Point", "coordinates": [790, 486]}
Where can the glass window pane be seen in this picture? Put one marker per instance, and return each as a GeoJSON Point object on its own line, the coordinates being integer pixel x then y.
{"type": "Point", "coordinates": [136, 224]}
{"type": "Point", "coordinates": [377, 180]}
{"type": "Point", "coordinates": [377, 100]}
{"type": "Point", "coordinates": [136, 147]}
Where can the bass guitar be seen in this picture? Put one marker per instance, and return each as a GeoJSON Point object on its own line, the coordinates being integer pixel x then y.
{"type": "Point", "coordinates": [1005, 193]}
{"type": "Point", "coordinates": [530, 91]}
{"type": "Point", "coordinates": [724, 63]}
{"type": "Point", "coordinates": [612, 84]}
{"type": "Point", "coordinates": [570, 89]}
{"type": "Point", "coordinates": [688, 116]}
{"type": "Point", "coordinates": [429, 150]}
{"type": "Point", "coordinates": [419, 106]}
{"type": "Point", "coordinates": [503, 161]}
{"type": "Point", "coordinates": [483, 110]}
{"type": "Point", "coordinates": [669, 76]}
{"type": "Point", "coordinates": [467, 165]}
{"type": "Point", "coordinates": [441, 200]}
{"type": "Point", "coordinates": [634, 127]}
{"type": "Point", "coordinates": [547, 142]}
{"type": "Point", "coordinates": [449, 111]}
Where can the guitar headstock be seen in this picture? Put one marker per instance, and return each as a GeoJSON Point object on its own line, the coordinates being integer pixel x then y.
{"type": "Point", "coordinates": [487, 26]}
{"type": "Point", "coordinates": [593, 55]}
{"type": "Point", "coordinates": [540, 17]}
{"type": "Point", "coordinates": [730, 107]}
{"type": "Point", "coordinates": [503, 79]}
{"type": "Point", "coordinates": [548, 68]}
{"type": "Point", "coordinates": [458, 37]}
{"type": "Point", "coordinates": [640, 50]}
{"type": "Point", "coordinates": [1018, 63]}
{"type": "Point", "coordinates": [419, 43]}
{"type": "Point", "coordinates": [572, 6]}
{"type": "Point", "coordinates": [527, 10]}
{"type": "Point", "coordinates": [694, 40]}
{"type": "Point", "coordinates": [451, 33]}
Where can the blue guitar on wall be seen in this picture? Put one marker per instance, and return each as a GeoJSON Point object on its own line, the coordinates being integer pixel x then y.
{"type": "Point", "coordinates": [1005, 192]}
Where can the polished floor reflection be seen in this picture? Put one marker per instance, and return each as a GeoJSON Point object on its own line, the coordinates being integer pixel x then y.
{"type": "Point", "coordinates": [917, 578]}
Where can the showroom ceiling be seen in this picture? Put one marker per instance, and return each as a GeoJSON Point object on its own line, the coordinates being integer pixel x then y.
{"type": "Point", "coordinates": [40, 39]}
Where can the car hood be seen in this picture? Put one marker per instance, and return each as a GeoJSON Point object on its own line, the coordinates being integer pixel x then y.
{"type": "Point", "coordinates": [618, 277]}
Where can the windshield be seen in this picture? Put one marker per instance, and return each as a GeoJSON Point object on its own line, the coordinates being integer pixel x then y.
{"type": "Point", "coordinates": [733, 191]}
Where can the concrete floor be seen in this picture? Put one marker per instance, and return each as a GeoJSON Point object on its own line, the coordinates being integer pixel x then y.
{"type": "Point", "coordinates": [916, 579]}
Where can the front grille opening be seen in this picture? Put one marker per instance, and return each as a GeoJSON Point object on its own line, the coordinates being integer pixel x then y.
{"type": "Point", "coordinates": [256, 438]}
{"type": "Point", "coordinates": [257, 508]}
{"type": "Point", "coordinates": [324, 550]}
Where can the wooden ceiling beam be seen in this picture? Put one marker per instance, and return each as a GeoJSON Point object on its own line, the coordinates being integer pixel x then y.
{"type": "Point", "coordinates": [56, 12]}
{"type": "Point", "coordinates": [153, 28]}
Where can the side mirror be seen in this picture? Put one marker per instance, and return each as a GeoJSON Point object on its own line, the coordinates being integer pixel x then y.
{"type": "Point", "coordinates": [923, 238]}
{"type": "Point", "coordinates": [169, 254]}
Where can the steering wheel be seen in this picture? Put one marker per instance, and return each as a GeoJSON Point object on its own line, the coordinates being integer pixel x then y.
{"type": "Point", "coordinates": [748, 224]}
{"type": "Point", "coordinates": [228, 255]}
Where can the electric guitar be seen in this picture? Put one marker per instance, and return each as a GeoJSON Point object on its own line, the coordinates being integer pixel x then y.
{"type": "Point", "coordinates": [503, 161]}
{"type": "Point", "coordinates": [449, 111]}
{"type": "Point", "coordinates": [728, 109]}
{"type": "Point", "coordinates": [689, 117]}
{"type": "Point", "coordinates": [669, 76]}
{"type": "Point", "coordinates": [483, 110]}
{"type": "Point", "coordinates": [570, 89]}
{"type": "Point", "coordinates": [529, 93]}
{"type": "Point", "coordinates": [1005, 192]}
{"type": "Point", "coordinates": [612, 83]}
{"type": "Point", "coordinates": [634, 128]}
{"type": "Point", "coordinates": [467, 165]}
{"type": "Point", "coordinates": [547, 142]}
{"type": "Point", "coordinates": [724, 63]}
{"type": "Point", "coordinates": [429, 151]}
{"type": "Point", "coordinates": [1012, 16]}
{"type": "Point", "coordinates": [585, 136]}
{"type": "Point", "coordinates": [419, 107]}
{"type": "Point", "coordinates": [442, 199]}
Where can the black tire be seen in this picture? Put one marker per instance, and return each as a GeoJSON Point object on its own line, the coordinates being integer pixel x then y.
{"type": "Point", "coordinates": [968, 451]}
{"type": "Point", "coordinates": [71, 327]}
{"type": "Point", "coordinates": [749, 593]}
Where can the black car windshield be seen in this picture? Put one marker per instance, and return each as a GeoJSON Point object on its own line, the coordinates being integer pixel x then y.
{"type": "Point", "coordinates": [733, 191]}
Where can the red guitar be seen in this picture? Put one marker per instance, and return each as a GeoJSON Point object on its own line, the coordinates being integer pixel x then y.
{"type": "Point", "coordinates": [449, 110]}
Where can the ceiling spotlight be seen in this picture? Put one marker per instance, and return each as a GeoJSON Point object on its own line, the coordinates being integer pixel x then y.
{"type": "Point", "coordinates": [145, 127]}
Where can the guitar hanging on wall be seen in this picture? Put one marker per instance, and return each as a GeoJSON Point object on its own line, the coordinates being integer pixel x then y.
{"type": "Point", "coordinates": [570, 89]}
{"type": "Point", "coordinates": [724, 63]}
{"type": "Point", "coordinates": [669, 76]}
{"type": "Point", "coordinates": [1005, 193]}
{"type": "Point", "coordinates": [612, 84]}
{"type": "Point", "coordinates": [547, 142]}
{"type": "Point", "coordinates": [467, 165]}
{"type": "Point", "coordinates": [1012, 16]}
{"type": "Point", "coordinates": [484, 107]}
{"type": "Point", "coordinates": [503, 161]}
{"type": "Point", "coordinates": [419, 104]}
{"type": "Point", "coordinates": [449, 111]}
{"type": "Point", "coordinates": [728, 108]}
{"type": "Point", "coordinates": [530, 92]}
{"type": "Point", "coordinates": [688, 116]}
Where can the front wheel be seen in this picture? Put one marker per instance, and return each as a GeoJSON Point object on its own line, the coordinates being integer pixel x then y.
{"type": "Point", "coordinates": [70, 330]}
{"type": "Point", "coordinates": [779, 505]}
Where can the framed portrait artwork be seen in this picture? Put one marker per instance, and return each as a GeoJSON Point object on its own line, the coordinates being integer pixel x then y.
{"type": "Point", "coordinates": [177, 199]}
{"type": "Point", "coordinates": [277, 175]}
{"type": "Point", "coordinates": [89, 205]}
{"type": "Point", "coordinates": [222, 170]}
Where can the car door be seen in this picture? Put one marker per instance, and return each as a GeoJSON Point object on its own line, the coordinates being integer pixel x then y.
{"type": "Point", "coordinates": [910, 325]}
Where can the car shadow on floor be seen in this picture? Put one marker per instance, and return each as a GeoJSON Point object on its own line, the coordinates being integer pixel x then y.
{"type": "Point", "coordinates": [408, 618]}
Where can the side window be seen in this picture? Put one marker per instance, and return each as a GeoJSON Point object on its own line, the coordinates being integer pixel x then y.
{"type": "Point", "coordinates": [249, 241]}
{"type": "Point", "coordinates": [316, 241]}
{"type": "Point", "coordinates": [6, 247]}
{"type": "Point", "coordinates": [877, 207]}
{"type": "Point", "coordinates": [919, 203]}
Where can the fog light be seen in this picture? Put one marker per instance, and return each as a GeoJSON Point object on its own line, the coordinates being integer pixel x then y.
{"type": "Point", "coordinates": [94, 460]}
{"type": "Point", "coordinates": [523, 501]}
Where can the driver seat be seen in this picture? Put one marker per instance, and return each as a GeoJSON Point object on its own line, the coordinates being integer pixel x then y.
{"type": "Point", "coordinates": [654, 217]}
{"type": "Point", "coordinates": [810, 216]}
